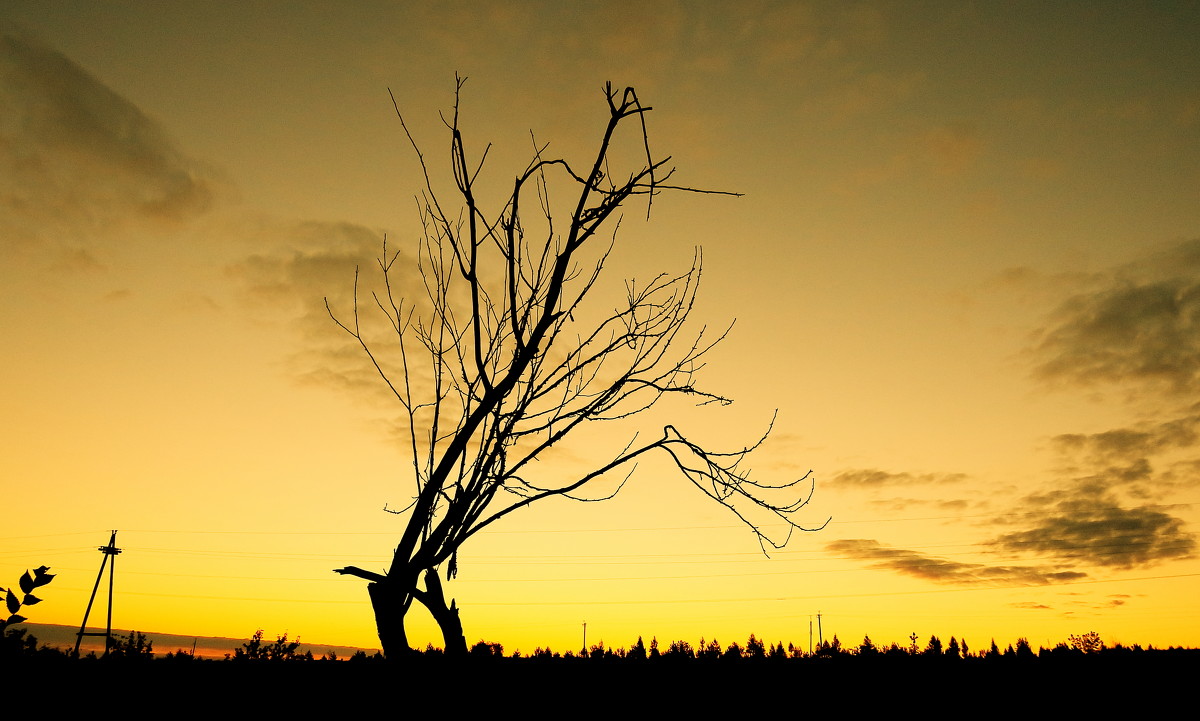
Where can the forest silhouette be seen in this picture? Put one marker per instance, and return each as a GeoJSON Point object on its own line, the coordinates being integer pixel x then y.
{"type": "Point", "coordinates": [833, 673]}
{"type": "Point", "coordinates": [640, 670]}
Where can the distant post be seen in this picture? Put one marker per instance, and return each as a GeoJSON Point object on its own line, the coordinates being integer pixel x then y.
{"type": "Point", "coordinates": [110, 550]}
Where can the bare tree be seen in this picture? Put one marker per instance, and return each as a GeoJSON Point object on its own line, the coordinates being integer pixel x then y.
{"type": "Point", "coordinates": [498, 362]}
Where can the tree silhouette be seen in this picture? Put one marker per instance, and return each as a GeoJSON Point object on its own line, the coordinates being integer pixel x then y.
{"type": "Point", "coordinates": [952, 649]}
{"type": "Point", "coordinates": [499, 358]}
{"type": "Point", "coordinates": [934, 647]}
{"type": "Point", "coordinates": [1089, 642]}
{"type": "Point", "coordinates": [755, 648]}
{"type": "Point", "coordinates": [867, 648]}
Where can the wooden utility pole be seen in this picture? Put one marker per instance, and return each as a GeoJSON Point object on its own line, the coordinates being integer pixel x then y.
{"type": "Point", "coordinates": [110, 550]}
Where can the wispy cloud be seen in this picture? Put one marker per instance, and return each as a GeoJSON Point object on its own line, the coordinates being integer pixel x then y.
{"type": "Point", "coordinates": [953, 505]}
{"type": "Point", "coordinates": [76, 156]}
{"type": "Point", "coordinates": [297, 268]}
{"type": "Point", "coordinates": [941, 570]}
{"type": "Point", "coordinates": [875, 478]}
{"type": "Point", "coordinates": [1128, 445]}
{"type": "Point", "coordinates": [1031, 606]}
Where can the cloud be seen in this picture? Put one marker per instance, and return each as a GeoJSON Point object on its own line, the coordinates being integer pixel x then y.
{"type": "Point", "coordinates": [940, 570]}
{"type": "Point", "coordinates": [953, 505]}
{"type": "Point", "coordinates": [874, 478]}
{"type": "Point", "coordinates": [1086, 517]}
{"type": "Point", "coordinates": [297, 267]}
{"type": "Point", "coordinates": [1097, 532]}
{"type": "Point", "coordinates": [1179, 475]}
{"type": "Point", "coordinates": [76, 156]}
{"type": "Point", "coordinates": [1141, 325]}
{"type": "Point", "coordinates": [1113, 601]}
{"type": "Point", "coordinates": [1135, 327]}
{"type": "Point", "coordinates": [1030, 605]}
{"type": "Point", "coordinates": [1127, 445]}
{"type": "Point", "coordinates": [1120, 459]}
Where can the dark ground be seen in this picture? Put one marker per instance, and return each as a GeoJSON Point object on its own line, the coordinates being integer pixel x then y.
{"type": "Point", "coordinates": [1150, 682]}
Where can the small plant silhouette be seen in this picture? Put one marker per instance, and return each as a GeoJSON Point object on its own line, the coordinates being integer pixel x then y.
{"type": "Point", "coordinates": [27, 583]}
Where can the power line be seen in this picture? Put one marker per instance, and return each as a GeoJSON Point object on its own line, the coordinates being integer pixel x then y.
{"type": "Point", "coordinates": [643, 529]}
{"type": "Point", "coordinates": [635, 602]}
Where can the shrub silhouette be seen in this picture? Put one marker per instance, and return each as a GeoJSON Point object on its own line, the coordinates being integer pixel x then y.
{"type": "Point", "coordinates": [280, 650]}
{"type": "Point", "coordinates": [134, 647]}
{"type": "Point", "coordinates": [1087, 643]}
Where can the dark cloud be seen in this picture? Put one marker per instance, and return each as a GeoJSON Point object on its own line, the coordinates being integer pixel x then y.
{"type": "Point", "coordinates": [874, 478]}
{"type": "Point", "coordinates": [1130, 445]}
{"type": "Point", "coordinates": [76, 156]}
{"type": "Point", "coordinates": [1138, 329]}
{"type": "Point", "coordinates": [1141, 324]}
{"type": "Point", "coordinates": [1088, 530]}
{"type": "Point", "coordinates": [1136, 479]}
{"type": "Point", "coordinates": [940, 570]}
{"type": "Point", "coordinates": [1097, 514]}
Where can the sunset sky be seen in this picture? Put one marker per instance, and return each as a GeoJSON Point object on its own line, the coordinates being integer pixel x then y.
{"type": "Point", "coordinates": [965, 270]}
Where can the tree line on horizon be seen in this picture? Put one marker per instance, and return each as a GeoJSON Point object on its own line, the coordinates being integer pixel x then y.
{"type": "Point", "coordinates": [19, 644]}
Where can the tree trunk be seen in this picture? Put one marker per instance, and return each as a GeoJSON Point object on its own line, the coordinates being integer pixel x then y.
{"type": "Point", "coordinates": [446, 616]}
{"type": "Point", "coordinates": [390, 605]}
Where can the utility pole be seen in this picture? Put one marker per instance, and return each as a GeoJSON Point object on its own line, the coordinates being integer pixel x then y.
{"type": "Point", "coordinates": [585, 638]}
{"type": "Point", "coordinates": [820, 636]}
{"type": "Point", "coordinates": [109, 551]}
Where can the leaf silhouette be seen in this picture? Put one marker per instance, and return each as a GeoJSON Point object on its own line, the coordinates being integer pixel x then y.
{"type": "Point", "coordinates": [41, 577]}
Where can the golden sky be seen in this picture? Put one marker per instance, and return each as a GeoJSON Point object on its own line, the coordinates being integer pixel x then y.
{"type": "Point", "coordinates": [965, 270]}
